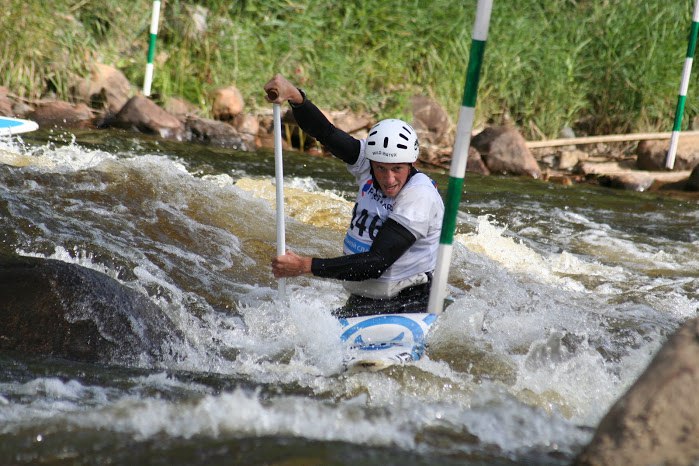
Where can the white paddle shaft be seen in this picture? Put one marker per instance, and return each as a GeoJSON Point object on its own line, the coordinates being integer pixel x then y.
{"type": "Point", "coordinates": [279, 175]}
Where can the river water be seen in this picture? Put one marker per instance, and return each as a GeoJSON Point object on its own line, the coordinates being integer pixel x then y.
{"type": "Point", "coordinates": [561, 297]}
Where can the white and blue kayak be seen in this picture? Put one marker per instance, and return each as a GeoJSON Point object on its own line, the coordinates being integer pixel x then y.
{"type": "Point", "coordinates": [376, 342]}
{"type": "Point", "coordinates": [10, 126]}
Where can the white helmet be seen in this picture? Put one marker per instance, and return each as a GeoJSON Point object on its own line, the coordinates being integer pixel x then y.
{"type": "Point", "coordinates": [392, 141]}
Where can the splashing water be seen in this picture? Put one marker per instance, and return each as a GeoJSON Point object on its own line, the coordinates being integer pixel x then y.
{"type": "Point", "coordinates": [558, 306]}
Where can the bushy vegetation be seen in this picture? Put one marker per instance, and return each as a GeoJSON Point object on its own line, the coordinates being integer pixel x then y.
{"type": "Point", "coordinates": [599, 66]}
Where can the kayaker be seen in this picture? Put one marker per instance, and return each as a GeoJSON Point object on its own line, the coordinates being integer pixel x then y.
{"type": "Point", "coordinates": [391, 243]}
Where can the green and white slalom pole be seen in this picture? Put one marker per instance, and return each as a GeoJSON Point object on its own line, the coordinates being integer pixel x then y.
{"type": "Point", "coordinates": [684, 84]}
{"type": "Point", "coordinates": [459, 158]}
{"type": "Point", "coordinates": [148, 80]}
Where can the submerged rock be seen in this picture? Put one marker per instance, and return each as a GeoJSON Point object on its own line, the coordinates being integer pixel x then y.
{"type": "Point", "coordinates": [58, 309]}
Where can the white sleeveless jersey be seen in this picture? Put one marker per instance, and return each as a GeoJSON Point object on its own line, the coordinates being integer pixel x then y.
{"type": "Point", "coordinates": [418, 207]}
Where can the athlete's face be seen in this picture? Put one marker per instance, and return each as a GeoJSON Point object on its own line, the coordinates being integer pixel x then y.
{"type": "Point", "coordinates": [391, 176]}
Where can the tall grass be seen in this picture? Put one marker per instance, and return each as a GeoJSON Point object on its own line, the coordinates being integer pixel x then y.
{"type": "Point", "coordinates": [600, 66]}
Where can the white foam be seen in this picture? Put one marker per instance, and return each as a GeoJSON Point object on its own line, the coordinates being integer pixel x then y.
{"type": "Point", "coordinates": [516, 303]}
{"type": "Point", "coordinates": [165, 381]}
{"type": "Point", "coordinates": [245, 414]}
{"type": "Point", "coordinates": [77, 256]}
{"type": "Point", "coordinates": [46, 398]}
{"type": "Point", "coordinates": [516, 256]}
{"type": "Point", "coordinates": [64, 158]}
{"type": "Point", "coordinates": [303, 327]}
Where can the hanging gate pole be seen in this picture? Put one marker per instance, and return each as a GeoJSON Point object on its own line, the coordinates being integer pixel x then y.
{"type": "Point", "coordinates": [684, 85]}
{"type": "Point", "coordinates": [460, 156]}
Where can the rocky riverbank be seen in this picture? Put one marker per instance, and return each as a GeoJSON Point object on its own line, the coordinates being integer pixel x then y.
{"type": "Point", "coordinates": [107, 99]}
{"type": "Point", "coordinates": [654, 423]}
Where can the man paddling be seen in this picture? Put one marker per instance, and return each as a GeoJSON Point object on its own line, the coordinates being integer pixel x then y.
{"type": "Point", "coordinates": [391, 243]}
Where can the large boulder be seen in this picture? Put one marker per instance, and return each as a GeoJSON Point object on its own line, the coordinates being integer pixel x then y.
{"type": "Point", "coordinates": [142, 114]}
{"type": "Point", "coordinates": [52, 308]}
{"type": "Point", "coordinates": [61, 114]}
{"type": "Point", "coordinates": [657, 420]}
{"type": "Point", "coordinates": [504, 150]}
{"type": "Point", "coordinates": [106, 88]}
{"type": "Point", "coordinates": [651, 154]}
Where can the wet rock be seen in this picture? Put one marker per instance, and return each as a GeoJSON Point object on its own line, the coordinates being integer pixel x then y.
{"type": "Point", "coordinates": [142, 114]}
{"type": "Point", "coordinates": [106, 88]}
{"type": "Point", "coordinates": [58, 309]}
{"type": "Point", "coordinates": [657, 420]}
{"type": "Point", "coordinates": [651, 154]}
{"type": "Point", "coordinates": [61, 114]}
{"type": "Point", "coordinates": [504, 150]}
{"type": "Point", "coordinates": [215, 133]}
{"type": "Point", "coordinates": [628, 181]}
{"type": "Point", "coordinates": [228, 102]}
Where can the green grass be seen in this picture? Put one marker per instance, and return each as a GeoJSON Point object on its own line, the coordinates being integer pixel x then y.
{"type": "Point", "coordinates": [599, 66]}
